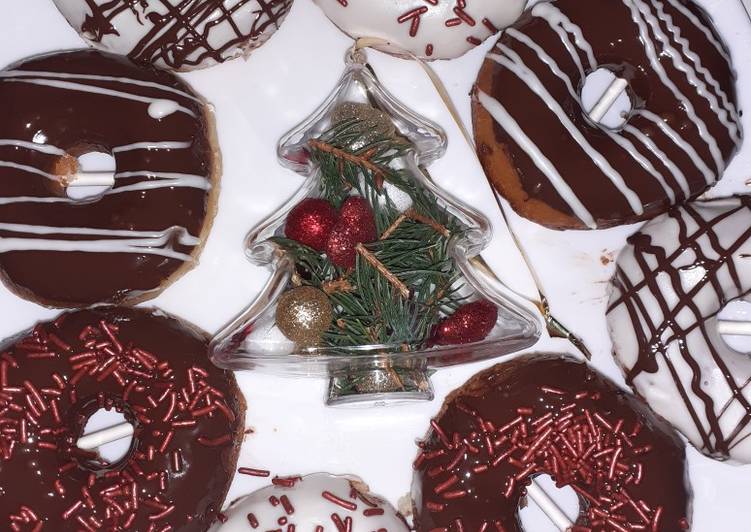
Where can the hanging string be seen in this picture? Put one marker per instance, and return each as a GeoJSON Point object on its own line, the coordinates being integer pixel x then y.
{"type": "Point", "coordinates": [554, 326]}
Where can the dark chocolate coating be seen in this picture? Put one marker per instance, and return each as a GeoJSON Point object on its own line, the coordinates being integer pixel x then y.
{"type": "Point", "coordinates": [609, 27]}
{"type": "Point", "coordinates": [31, 474]}
{"type": "Point", "coordinates": [78, 122]}
{"type": "Point", "coordinates": [494, 396]}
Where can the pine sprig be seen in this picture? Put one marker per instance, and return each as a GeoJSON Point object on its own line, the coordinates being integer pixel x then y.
{"type": "Point", "coordinates": [369, 309]}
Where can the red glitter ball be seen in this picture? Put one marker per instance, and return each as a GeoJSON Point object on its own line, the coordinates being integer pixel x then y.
{"type": "Point", "coordinates": [340, 247]}
{"type": "Point", "coordinates": [310, 222]}
{"type": "Point", "coordinates": [356, 224]}
{"type": "Point", "coordinates": [470, 323]}
{"type": "Point", "coordinates": [357, 216]}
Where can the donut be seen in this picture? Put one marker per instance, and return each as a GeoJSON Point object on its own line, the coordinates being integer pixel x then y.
{"type": "Point", "coordinates": [434, 29]}
{"type": "Point", "coordinates": [556, 166]}
{"type": "Point", "coordinates": [187, 414]}
{"type": "Point", "coordinates": [176, 34]}
{"type": "Point", "coordinates": [129, 243]}
{"type": "Point", "coordinates": [549, 414]}
{"type": "Point", "coordinates": [671, 281]}
{"type": "Point", "coordinates": [313, 503]}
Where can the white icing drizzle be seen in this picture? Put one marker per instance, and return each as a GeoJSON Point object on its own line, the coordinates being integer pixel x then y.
{"type": "Point", "coordinates": [624, 143]}
{"type": "Point", "coordinates": [80, 87]}
{"type": "Point", "coordinates": [150, 243]}
{"type": "Point", "coordinates": [680, 142]}
{"type": "Point", "coordinates": [513, 62]}
{"type": "Point", "coordinates": [702, 27]}
{"type": "Point", "coordinates": [42, 148]}
{"type": "Point", "coordinates": [162, 108]}
{"type": "Point", "coordinates": [30, 169]}
{"type": "Point", "coordinates": [692, 73]}
{"type": "Point", "coordinates": [638, 8]}
{"type": "Point", "coordinates": [159, 145]}
{"type": "Point", "coordinates": [163, 179]}
{"type": "Point", "coordinates": [512, 127]}
{"type": "Point", "coordinates": [95, 77]}
{"type": "Point", "coordinates": [563, 25]}
{"type": "Point", "coordinates": [637, 138]}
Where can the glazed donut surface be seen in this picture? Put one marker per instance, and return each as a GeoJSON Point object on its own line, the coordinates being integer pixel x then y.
{"type": "Point", "coordinates": [176, 34]}
{"type": "Point", "coordinates": [187, 414]}
{"type": "Point", "coordinates": [549, 414]}
{"type": "Point", "coordinates": [435, 29]}
{"type": "Point", "coordinates": [671, 281]}
{"type": "Point", "coordinates": [314, 502]}
{"type": "Point", "coordinates": [554, 164]}
{"type": "Point", "coordinates": [137, 237]}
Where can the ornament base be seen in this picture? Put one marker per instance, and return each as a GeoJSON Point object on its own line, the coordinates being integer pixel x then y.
{"type": "Point", "coordinates": [379, 386]}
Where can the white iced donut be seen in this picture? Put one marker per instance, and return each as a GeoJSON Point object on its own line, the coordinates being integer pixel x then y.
{"type": "Point", "coordinates": [313, 503]}
{"type": "Point", "coordinates": [430, 29]}
{"type": "Point", "coordinates": [176, 34]}
{"type": "Point", "coordinates": [672, 280]}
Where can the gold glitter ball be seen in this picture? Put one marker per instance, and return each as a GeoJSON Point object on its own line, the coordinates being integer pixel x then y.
{"type": "Point", "coordinates": [303, 314]}
{"type": "Point", "coordinates": [374, 125]}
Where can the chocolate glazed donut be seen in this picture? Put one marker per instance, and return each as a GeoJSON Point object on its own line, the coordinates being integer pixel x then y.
{"type": "Point", "coordinates": [556, 166]}
{"type": "Point", "coordinates": [187, 414]}
{"type": "Point", "coordinates": [136, 238]}
{"type": "Point", "coordinates": [549, 414]}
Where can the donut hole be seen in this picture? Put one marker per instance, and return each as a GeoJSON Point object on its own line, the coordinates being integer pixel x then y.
{"type": "Point", "coordinates": [96, 168]}
{"type": "Point", "coordinates": [533, 518]}
{"type": "Point", "coordinates": [735, 325]}
{"type": "Point", "coordinates": [595, 87]}
{"type": "Point", "coordinates": [112, 452]}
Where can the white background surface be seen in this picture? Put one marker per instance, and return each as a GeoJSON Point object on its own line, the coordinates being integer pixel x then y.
{"type": "Point", "coordinates": [257, 101]}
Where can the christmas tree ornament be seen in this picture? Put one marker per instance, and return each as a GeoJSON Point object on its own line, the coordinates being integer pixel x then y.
{"type": "Point", "coordinates": [303, 314]}
{"type": "Point", "coordinates": [469, 323]}
{"type": "Point", "coordinates": [311, 222]}
{"type": "Point", "coordinates": [400, 279]}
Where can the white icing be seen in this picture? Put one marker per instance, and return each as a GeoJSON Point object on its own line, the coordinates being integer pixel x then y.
{"type": "Point", "coordinates": [617, 137]}
{"type": "Point", "coordinates": [162, 108]}
{"type": "Point", "coordinates": [639, 9]}
{"type": "Point", "coordinates": [311, 509]}
{"type": "Point", "coordinates": [513, 62]}
{"type": "Point", "coordinates": [638, 137]}
{"type": "Point", "coordinates": [96, 77]}
{"type": "Point", "coordinates": [161, 145]}
{"type": "Point", "coordinates": [142, 242]}
{"type": "Point", "coordinates": [135, 25]}
{"type": "Point", "coordinates": [40, 147]}
{"type": "Point", "coordinates": [699, 277]}
{"type": "Point", "coordinates": [512, 127]}
{"type": "Point", "coordinates": [80, 87]}
{"type": "Point", "coordinates": [437, 26]}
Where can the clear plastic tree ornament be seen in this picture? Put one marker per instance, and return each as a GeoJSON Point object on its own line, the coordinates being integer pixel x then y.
{"type": "Point", "coordinates": [375, 280]}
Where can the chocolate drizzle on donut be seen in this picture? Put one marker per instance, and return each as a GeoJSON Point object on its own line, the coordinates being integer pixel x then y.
{"type": "Point", "coordinates": [187, 415]}
{"type": "Point", "coordinates": [541, 150]}
{"type": "Point", "coordinates": [143, 232]}
{"type": "Point", "coordinates": [183, 33]}
{"type": "Point", "coordinates": [671, 281]}
{"type": "Point", "coordinates": [548, 414]}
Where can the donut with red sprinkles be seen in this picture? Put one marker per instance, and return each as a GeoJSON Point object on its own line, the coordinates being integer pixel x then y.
{"type": "Point", "coordinates": [549, 415]}
{"type": "Point", "coordinates": [188, 419]}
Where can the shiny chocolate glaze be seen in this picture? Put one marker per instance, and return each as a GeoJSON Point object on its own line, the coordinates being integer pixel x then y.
{"type": "Point", "coordinates": [129, 243]}
{"type": "Point", "coordinates": [520, 419]}
{"type": "Point", "coordinates": [188, 418]}
{"type": "Point", "coordinates": [678, 139]}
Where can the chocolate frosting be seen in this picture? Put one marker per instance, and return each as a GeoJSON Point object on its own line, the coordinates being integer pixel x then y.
{"type": "Point", "coordinates": [145, 231]}
{"type": "Point", "coordinates": [682, 132]}
{"type": "Point", "coordinates": [520, 419]}
{"type": "Point", "coordinates": [188, 418]}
